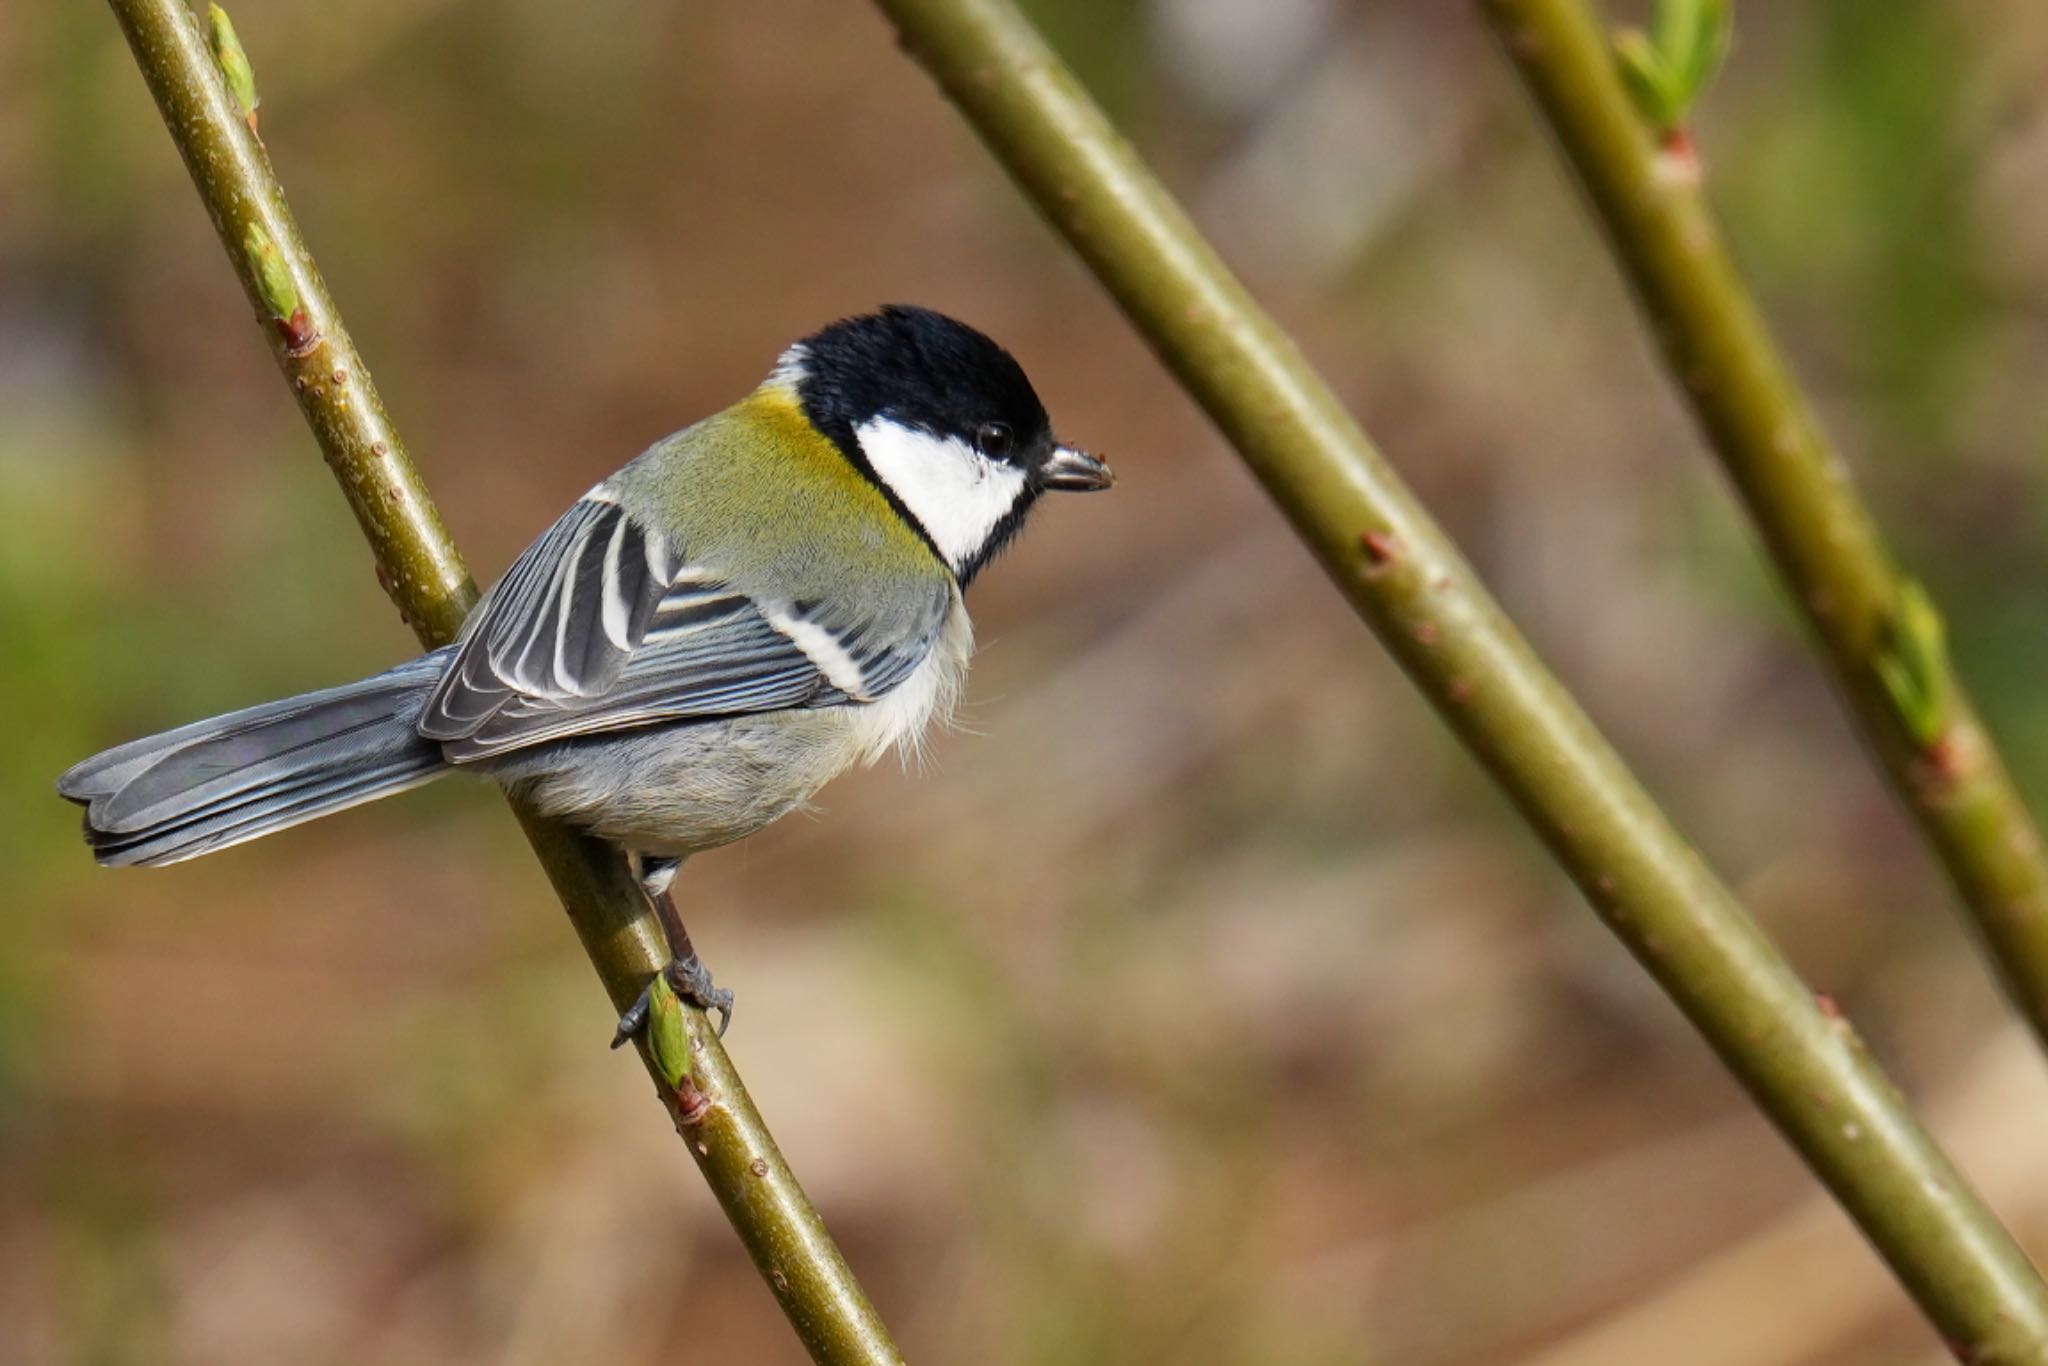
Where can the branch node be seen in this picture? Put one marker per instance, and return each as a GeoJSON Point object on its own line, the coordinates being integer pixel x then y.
{"type": "Point", "coordinates": [1382, 550]}
{"type": "Point", "coordinates": [301, 339]}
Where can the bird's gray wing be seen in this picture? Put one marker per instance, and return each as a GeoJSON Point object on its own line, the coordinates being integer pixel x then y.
{"type": "Point", "coordinates": [560, 624]}
{"type": "Point", "coordinates": [602, 625]}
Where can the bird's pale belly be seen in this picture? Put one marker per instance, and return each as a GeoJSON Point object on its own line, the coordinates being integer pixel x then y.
{"type": "Point", "coordinates": [674, 790]}
{"type": "Point", "coordinates": [680, 789]}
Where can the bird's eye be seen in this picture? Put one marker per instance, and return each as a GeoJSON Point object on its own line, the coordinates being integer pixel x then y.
{"type": "Point", "coordinates": [994, 439]}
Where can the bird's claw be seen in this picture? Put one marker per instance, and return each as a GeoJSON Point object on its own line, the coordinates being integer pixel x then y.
{"type": "Point", "coordinates": [691, 982]}
{"type": "Point", "coordinates": [635, 1019]}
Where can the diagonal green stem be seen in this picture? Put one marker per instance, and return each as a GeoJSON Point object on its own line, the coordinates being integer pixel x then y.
{"type": "Point", "coordinates": [1805, 1068]}
{"type": "Point", "coordinates": [420, 569]}
{"type": "Point", "coordinates": [1885, 656]}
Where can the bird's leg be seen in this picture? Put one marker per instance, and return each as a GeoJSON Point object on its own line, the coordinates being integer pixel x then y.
{"type": "Point", "coordinates": [686, 971]}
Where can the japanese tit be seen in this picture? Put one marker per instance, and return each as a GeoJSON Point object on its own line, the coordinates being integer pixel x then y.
{"type": "Point", "coordinates": [703, 640]}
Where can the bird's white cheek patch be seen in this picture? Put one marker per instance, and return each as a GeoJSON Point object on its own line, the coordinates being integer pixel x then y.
{"type": "Point", "coordinates": [956, 494]}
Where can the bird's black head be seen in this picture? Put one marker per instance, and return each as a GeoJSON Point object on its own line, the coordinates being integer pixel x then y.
{"type": "Point", "coordinates": [942, 420]}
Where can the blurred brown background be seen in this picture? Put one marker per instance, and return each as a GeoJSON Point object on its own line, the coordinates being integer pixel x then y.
{"type": "Point", "coordinates": [1202, 1003]}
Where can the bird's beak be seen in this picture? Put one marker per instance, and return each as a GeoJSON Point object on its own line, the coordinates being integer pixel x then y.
{"type": "Point", "coordinates": [1073, 470]}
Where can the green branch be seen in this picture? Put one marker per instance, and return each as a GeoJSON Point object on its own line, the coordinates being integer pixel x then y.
{"type": "Point", "coordinates": [1879, 633]}
{"type": "Point", "coordinates": [1805, 1067]}
{"type": "Point", "coordinates": [420, 569]}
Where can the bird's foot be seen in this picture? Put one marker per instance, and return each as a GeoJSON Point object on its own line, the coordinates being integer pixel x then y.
{"type": "Point", "coordinates": [691, 981]}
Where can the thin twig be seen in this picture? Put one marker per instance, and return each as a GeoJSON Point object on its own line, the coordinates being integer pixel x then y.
{"type": "Point", "coordinates": [1805, 1066]}
{"type": "Point", "coordinates": [419, 567]}
{"type": "Point", "coordinates": [1874, 628]}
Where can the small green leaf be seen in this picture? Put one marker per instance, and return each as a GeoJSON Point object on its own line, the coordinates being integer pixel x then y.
{"type": "Point", "coordinates": [234, 63]}
{"type": "Point", "coordinates": [667, 1040]}
{"type": "Point", "coordinates": [273, 275]}
{"type": "Point", "coordinates": [1701, 32]}
{"type": "Point", "coordinates": [1673, 23]}
{"type": "Point", "coordinates": [1649, 78]}
{"type": "Point", "coordinates": [1670, 67]}
{"type": "Point", "coordinates": [1913, 664]}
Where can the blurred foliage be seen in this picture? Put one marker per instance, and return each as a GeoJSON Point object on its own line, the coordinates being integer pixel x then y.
{"type": "Point", "coordinates": [1208, 1005]}
{"type": "Point", "coordinates": [1874, 138]}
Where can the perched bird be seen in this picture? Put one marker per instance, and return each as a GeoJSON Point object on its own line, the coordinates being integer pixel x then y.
{"type": "Point", "coordinates": [699, 644]}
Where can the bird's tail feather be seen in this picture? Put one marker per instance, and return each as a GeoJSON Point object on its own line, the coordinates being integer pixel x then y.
{"type": "Point", "coordinates": [215, 783]}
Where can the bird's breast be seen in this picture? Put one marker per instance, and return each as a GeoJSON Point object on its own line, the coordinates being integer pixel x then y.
{"type": "Point", "coordinates": [903, 717]}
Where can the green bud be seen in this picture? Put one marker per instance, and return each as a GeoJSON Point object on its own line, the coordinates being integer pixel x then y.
{"type": "Point", "coordinates": [273, 275]}
{"type": "Point", "coordinates": [667, 1040]}
{"type": "Point", "coordinates": [1649, 78]}
{"type": "Point", "coordinates": [1670, 67]}
{"type": "Point", "coordinates": [1912, 663]}
{"type": "Point", "coordinates": [1695, 35]}
{"type": "Point", "coordinates": [234, 63]}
